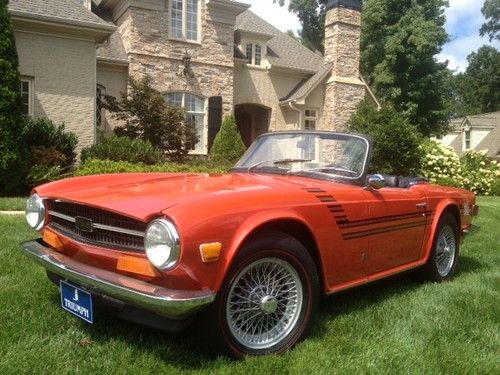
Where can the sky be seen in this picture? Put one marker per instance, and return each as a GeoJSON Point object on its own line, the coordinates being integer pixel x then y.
{"type": "Point", "coordinates": [463, 21]}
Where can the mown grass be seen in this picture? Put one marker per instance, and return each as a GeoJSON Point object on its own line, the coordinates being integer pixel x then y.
{"type": "Point", "coordinates": [13, 203]}
{"type": "Point", "coordinates": [398, 325]}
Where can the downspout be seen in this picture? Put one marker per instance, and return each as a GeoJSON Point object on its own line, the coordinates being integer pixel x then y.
{"type": "Point", "coordinates": [292, 106]}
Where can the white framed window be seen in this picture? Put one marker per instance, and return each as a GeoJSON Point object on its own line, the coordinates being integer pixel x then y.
{"type": "Point", "coordinates": [310, 118]}
{"type": "Point", "coordinates": [185, 20]}
{"type": "Point", "coordinates": [254, 54]}
{"type": "Point", "coordinates": [100, 92]}
{"type": "Point", "coordinates": [27, 96]}
{"type": "Point", "coordinates": [467, 139]}
{"type": "Point", "coordinates": [195, 111]}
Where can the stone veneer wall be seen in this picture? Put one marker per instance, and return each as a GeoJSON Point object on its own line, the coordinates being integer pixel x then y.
{"type": "Point", "coordinates": [145, 36]}
{"type": "Point", "coordinates": [344, 90]}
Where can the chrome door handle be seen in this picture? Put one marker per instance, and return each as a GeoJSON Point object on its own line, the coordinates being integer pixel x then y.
{"type": "Point", "coordinates": [421, 205]}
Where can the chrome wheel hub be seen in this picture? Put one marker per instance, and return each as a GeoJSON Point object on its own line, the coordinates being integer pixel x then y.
{"type": "Point", "coordinates": [268, 304]}
{"type": "Point", "coordinates": [445, 250]}
{"type": "Point", "coordinates": [264, 303]}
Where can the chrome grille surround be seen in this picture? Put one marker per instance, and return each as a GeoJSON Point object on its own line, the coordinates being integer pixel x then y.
{"type": "Point", "coordinates": [108, 229]}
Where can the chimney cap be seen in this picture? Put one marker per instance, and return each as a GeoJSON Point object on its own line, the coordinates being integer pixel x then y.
{"type": "Point", "coordinates": [349, 4]}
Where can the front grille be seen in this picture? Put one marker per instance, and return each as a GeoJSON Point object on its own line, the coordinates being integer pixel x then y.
{"type": "Point", "coordinates": [107, 229]}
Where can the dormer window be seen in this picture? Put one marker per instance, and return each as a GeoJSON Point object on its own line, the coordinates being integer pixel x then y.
{"type": "Point", "coordinates": [254, 54]}
{"type": "Point", "coordinates": [185, 20]}
{"type": "Point", "coordinates": [467, 139]}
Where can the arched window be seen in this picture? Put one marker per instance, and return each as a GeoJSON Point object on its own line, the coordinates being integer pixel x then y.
{"type": "Point", "coordinates": [195, 110]}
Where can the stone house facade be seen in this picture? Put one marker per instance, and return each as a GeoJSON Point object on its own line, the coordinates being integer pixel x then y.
{"type": "Point", "coordinates": [211, 57]}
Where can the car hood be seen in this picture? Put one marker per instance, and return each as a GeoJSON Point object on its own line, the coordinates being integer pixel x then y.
{"type": "Point", "coordinates": [144, 195]}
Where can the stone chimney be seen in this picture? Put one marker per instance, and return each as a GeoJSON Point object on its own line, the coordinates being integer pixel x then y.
{"type": "Point", "coordinates": [344, 89]}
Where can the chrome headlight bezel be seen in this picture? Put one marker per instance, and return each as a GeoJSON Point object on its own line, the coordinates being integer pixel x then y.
{"type": "Point", "coordinates": [35, 212]}
{"type": "Point", "coordinates": [162, 244]}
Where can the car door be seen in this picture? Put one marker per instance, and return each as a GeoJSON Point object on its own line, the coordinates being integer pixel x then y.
{"type": "Point", "coordinates": [396, 227]}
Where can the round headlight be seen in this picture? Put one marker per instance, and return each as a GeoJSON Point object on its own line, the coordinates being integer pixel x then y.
{"type": "Point", "coordinates": [35, 212]}
{"type": "Point", "coordinates": [161, 242]}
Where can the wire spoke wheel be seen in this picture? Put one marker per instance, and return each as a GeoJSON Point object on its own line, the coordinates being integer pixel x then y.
{"type": "Point", "coordinates": [264, 303]}
{"type": "Point", "coordinates": [445, 250]}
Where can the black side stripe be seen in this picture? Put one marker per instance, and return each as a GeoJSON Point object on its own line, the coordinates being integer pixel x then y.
{"type": "Point", "coordinates": [350, 236]}
{"type": "Point", "coordinates": [384, 219]}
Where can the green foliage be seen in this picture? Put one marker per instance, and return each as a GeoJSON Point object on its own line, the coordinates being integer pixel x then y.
{"type": "Point", "coordinates": [478, 88]}
{"type": "Point", "coordinates": [479, 174]}
{"type": "Point", "coordinates": [441, 164]}
{"type": "Point", "coordinates": [44, 133]}
{"type": "Point", "coordinates": [147, 116]}
{"type": "Point", "coordinates": [491, 12]}
{"type": "Point", "coordinates": [396, 142]}
{"type": "Point", "coordinates": [311, 14]}
{"type": "Point", "coordinates": [474, 172]}
{"type": "Point", "coordinates": [96, 166]}
{"type": "Point", "coordinates": [228, 146]}
{"type": "Point", "coordinates": [124, 149]}
{"type": "Point", "coordinates": [399, 42]}
{"type": "Point", "coordinates": [13, 157]}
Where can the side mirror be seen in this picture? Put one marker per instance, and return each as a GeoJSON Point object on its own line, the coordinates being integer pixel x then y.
{"type": "Point", "coordinates": [375, 182]}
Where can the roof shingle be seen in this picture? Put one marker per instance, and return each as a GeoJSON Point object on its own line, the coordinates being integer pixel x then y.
{"type": "Point", "coordinates": [59, 11]}
{"type": "Point", "coordinates": [282, 50]}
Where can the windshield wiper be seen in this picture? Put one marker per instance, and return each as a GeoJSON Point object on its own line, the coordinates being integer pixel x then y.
{"type": "Point", "coordinates": [289, 160]}
{"type": "Point", "coordinates": [253, 166]}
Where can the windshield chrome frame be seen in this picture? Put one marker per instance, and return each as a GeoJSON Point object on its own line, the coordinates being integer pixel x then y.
{"type": "Point", "coordinates": [358, 180]}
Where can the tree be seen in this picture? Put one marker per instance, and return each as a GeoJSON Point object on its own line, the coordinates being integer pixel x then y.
{"type": "Point", "coordinates": [491, 11]}
{"type": "Point", "coordinates": [396, 142]}
{"type": "Point", "coordinates": [478, 88]}
{"type": "Point", "coordinates": [13, 154]}
{"type": "Point", "coordinates": [399, 44]}
{"type": "Point", "coordinates": [148, 116]}
{"type": "Point", "coordinates": [311, 14]}
{"type": "Point", "coordinates": [228, 145]}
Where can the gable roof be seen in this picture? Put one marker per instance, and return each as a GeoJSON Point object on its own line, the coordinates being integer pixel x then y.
{"type": "Point", "coordinates": [66, 12]}
{"type": "Point", "coordinates": [305, 86]}
{"type": "Point", "coordinates": [283, 51]}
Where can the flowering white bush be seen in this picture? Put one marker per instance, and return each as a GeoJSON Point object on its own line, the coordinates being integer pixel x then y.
{"type": "Point", "coordinates": [441, 165]}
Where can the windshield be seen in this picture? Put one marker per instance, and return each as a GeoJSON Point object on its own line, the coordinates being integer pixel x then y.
{"type": "Point", "coordinates": [326, 154]}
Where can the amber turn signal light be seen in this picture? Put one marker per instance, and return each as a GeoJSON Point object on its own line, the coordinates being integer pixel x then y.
{"type": "Point", "coordinates": [210, 251]}
{"type": "Point", "coordinates": [136, 265]}
{"type": "Point", "coordinates": [52, 240]}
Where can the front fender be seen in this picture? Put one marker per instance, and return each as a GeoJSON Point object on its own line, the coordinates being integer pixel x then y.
{"type": "Point", "coordinates": [441, 207]}
{"type": "Point", "coordinates": [247, 228]}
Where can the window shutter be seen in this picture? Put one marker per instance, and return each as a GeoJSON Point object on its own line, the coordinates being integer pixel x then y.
{"type": "Point", "coordinates": [214, 118]}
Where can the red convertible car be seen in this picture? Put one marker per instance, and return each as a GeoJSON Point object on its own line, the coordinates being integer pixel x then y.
{"type": "Point", "coordinates": [250, 251]}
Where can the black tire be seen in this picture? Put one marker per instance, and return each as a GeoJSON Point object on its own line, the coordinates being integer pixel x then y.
{"type": "Point", "coordinates": [288, 263]}
{"type": "Point", "coordinates": [446, 243]}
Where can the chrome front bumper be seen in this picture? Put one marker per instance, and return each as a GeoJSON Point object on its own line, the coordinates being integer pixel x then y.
{"type": "Point", "coordinates": [471, 229]}
{"type": "Point", "coordinates": [166, 302]}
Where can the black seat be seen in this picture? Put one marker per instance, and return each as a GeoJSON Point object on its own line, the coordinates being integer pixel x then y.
{"type": "Point", "coordinates": [391, 180]}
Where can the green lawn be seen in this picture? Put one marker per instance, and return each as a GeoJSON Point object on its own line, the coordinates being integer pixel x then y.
{"type": "Point", "coordinates": [13, 204]}
{"type": "Point", "coordinates": [395, 326]}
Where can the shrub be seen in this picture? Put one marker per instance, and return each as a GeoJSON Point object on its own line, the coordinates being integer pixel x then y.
{"type": "Point", "coordinates": [147, 116]}
{"type": "Point", "coordinates": [441, 164]}
{"type": "Point", "coordinates": [13, 155]}
{"type": "Point", "coordinates": [124, 149]}
{"type": "Point", "coordinates": [43, 132]}
{"type": "Point", "coordinates": [396, 142]}
{"type": "Point", "coordinates": [478, 173]}
{"type": "Point", "coordinates": [95, 166]}
{"type": "Point", "coordinates": [228, 146]}
{"type": "Point", "coordinates": [473, 172]}
{"type": "Point", "coordinates": [51, 148]}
